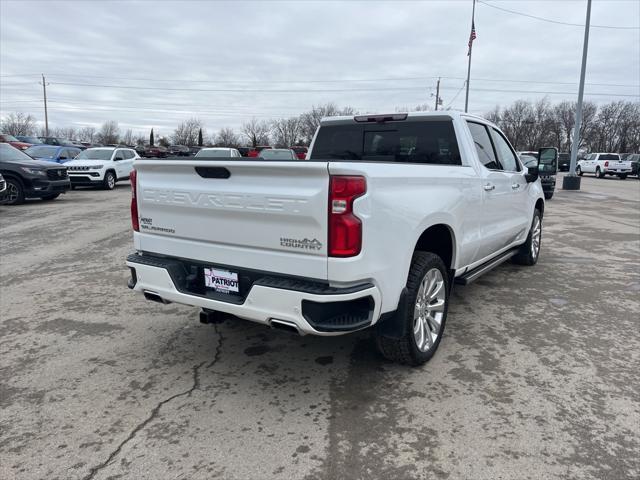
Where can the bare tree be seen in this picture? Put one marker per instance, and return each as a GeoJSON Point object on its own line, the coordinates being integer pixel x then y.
{"type": "Point", "coordinates": [309, 121]}
{"type": "Point", "coordinates": [226, 137]}
{"type": "Point", "coordinates": [86, 134]}
{"type": "Point", "coordinates": [127, 138]}
{"type": "Point", "coordinates": [109, 132]}
{"type": "Point", "coordinates": [423, 107]}
{"type": "Point", "coordinates": [256, 131]}
{"type": "Point", "coordinates": [187, 132]}
{"type": "Point", "coordinates": [18, 123]}
{"type": "Point", "coordinates": [286, 131]}
{"type": "Point", "coordinates": [68, 133]}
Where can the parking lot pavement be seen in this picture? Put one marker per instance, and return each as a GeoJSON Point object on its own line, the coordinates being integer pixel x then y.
{"type": "Point", "coordinates": [537, 375]}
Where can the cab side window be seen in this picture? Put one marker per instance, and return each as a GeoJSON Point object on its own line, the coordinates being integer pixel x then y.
{"type": "Point", "coordinates": [119, 155]}
{"type": "Point", "coordinates": [484, 146]}
{"type": "Point", "coordinates": [506, 155]}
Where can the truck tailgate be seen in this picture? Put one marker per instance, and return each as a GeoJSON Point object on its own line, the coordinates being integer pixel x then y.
{"type": "Point", "coordinates": [269, 216]}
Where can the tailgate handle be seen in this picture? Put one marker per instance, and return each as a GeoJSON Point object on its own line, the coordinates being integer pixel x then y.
{"type": "Point", "coordinates": [213, 172]}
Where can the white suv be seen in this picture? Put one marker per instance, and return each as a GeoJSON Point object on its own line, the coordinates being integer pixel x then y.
{"type": "Point", "coordinates": [101, 167]}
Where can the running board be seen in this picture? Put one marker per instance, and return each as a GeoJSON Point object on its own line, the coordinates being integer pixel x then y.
{"type": "Point", "coordinates": [473, 275]}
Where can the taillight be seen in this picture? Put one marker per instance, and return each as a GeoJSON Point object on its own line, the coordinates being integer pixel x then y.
{"type": "Point", "coordinates": [345, 229]}
{"type": "Point", "coordinates": [606, 164]}
{"type": "Point", "coordinates": [135, 222]}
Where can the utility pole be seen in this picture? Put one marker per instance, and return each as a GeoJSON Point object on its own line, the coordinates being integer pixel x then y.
{"type": "Point", "coordinates": [438, 93]}
{"type": "Point", "coordinates": [46, 115]}
{"type": "Point", "coordinates": [572, 181]}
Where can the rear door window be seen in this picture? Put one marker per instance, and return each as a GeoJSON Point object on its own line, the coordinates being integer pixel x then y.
{"type": "Point", "coordinates": [428, 142]}
{"type": "Point", "coordinates": [484, 146]}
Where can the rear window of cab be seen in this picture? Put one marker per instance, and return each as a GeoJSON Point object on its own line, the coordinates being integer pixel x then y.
{"type": "Point", "coordinates": [426, 142]}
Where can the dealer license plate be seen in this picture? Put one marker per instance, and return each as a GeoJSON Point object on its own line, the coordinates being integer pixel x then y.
{"type": "Point", "coordinates": [222, 281]}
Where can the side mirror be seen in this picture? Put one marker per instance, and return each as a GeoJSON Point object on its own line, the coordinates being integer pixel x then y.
{"type": "Point", "coordinates": [548, 160]}
{"type": "Point", "coordinates": [532, 174]}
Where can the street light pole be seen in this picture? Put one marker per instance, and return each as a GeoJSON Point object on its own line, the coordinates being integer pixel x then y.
{"type": "Point", "coordinates": [572, 181]}
{"type": "Point", "coordinates": [46, 114]}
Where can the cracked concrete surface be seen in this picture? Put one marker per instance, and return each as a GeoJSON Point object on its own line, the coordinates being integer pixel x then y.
{"type": "Point", "coordinates": [537, 375]}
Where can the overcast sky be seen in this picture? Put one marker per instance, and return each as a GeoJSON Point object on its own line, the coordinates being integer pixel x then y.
{"type": "Point", "coordinates": [225, 62]}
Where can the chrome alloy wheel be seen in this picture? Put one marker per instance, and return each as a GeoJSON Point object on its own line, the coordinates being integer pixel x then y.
{"type": "Point", "coordinates": [111, 181]}
{"type": "Point", "coordinates": [429, 309]}
{"type": "Point", "coordinates": [11, 193]}
{"type": "Point", "coordinates": [536, 236]}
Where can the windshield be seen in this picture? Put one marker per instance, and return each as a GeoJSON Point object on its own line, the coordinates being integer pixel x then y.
{"type": "Point", "coordinates": [277, 155]}
{"type": "Point", "coordinates": [213, 153]}
{"type": "Point", "coordinates": [529, 160]}
{"type": "Point", "coordinates": [564, 157]}
{"type": "Point", "coordinates": [299, 149]}
{"type": "Point", "coordinates": [41, 151]}
{"type": "Point", "coordinates": [11, 154]}
{"type": "Point", "coordinates": [431, 141]}
{"type": "Point", "coordinates": [29, 139]}
{"type": "Point", "coordinates": [92, 154]}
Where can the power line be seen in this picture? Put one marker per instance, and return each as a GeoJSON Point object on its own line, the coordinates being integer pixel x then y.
{"type": "Point", "coordinates": [344, 80]}
{"type": "Point", "coordinates": [558, 22]}
{"type": "Point", "coordinates": [464, 84]}
{"type": "Point", "coordinates": [247, 90]}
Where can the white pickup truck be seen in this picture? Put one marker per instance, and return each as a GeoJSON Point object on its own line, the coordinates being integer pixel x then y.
{"type": "Point", "coordinates": [601, 164]}
{"type": "Point", "coordinates": [370, 231]}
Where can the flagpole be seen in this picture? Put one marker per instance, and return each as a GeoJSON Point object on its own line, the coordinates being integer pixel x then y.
{"type": "Point", "coordinates": [466, 98]}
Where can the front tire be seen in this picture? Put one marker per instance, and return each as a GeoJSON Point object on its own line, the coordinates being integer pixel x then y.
{"type": "Point", "coordinates": [548, 195]}
{"type": "Point", "coordinates": [109, 182]}
{"type": "Point", "coordinates": [425, 313]}
{"type": "Point", "coordinates": [579, 171]}
{"type": "Point", "coordinates": [530, 250]}
{"type": "Point", "coordinates": [14, 195]}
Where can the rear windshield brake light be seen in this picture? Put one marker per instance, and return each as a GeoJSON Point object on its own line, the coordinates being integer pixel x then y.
{"type": "Point", "coordinates": [394, 117]}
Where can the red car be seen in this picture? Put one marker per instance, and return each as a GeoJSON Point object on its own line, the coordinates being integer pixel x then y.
{"type": "Point", "coordinates": [254, 152]}
{"type": "Point", "coordinates": [301, 152]}
{"type": "Point", "coordinates": [13, 141]}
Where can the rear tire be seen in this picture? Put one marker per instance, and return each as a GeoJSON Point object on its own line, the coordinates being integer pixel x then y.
{"type": "Point", "coordinates": [530, 250]}
{"type": "Point", "coordinates": [599, 173]}
{"type": "Point", "coordinates": [14, 195]}
{"type": "Point", "coordinates": [426, 313]}
{"type": "Point", "coordinates": [623, 176]}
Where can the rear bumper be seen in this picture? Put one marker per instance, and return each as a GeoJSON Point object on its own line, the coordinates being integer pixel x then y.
{"type": "Point", "coordinates": [314, 308]}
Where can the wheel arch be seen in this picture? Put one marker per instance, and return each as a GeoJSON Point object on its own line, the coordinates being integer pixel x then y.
{"type": "Point", "coordinates": [441, 240]}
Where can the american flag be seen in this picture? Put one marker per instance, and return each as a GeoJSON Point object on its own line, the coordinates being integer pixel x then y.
{"type": "Point", "coordinates": [472, 37]}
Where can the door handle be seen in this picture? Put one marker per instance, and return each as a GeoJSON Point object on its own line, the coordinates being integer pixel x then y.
{"type": "Point", "coordinates": [515, 186]}
{"type": "Point", "coordinates": [488, 187]}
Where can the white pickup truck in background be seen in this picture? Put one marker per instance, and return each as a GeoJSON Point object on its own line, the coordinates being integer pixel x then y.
{"type": "Point", "coordinates": [601, 164]}
{"type": "Point", "coordinates": [371, 231]}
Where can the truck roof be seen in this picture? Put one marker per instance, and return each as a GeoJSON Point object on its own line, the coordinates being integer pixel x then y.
{"type": "Point", "coordinates": [448, 114]}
